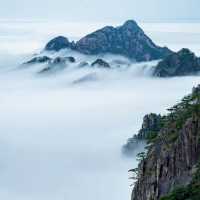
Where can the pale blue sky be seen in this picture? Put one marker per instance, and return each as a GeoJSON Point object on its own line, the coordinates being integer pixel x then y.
{"type": "Point", "coordinates": [101, 10]}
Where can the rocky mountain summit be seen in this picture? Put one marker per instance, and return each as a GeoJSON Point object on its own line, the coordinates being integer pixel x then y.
{"type": "Point", "coordinates": [58, 43]}
{"type": "Point", "coordinates": [128, 40]}
{"type": "Point", "coordinates": [170, 169]}
{"type": "Point", "coordinates": [182, 63]}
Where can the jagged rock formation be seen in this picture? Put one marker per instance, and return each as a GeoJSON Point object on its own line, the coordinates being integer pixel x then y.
{"type": "Point", "coordinates": [181, 63]}
{"type": "Point", "coordinates": [172, 158]}
{"type": "Point", "coordinates": [128, 40]}
{"type": "Point", "coordinates": [57, 64]}
{"type": "Point", "coordinates": [51, 64]}
{"type": "Point", "coordinates": [46, 59]}
{"type": "Point", "coordinates": [39, 59]}
{"type": "Point", "coordinates": [100, 63]}
{"type": "Point", "coordinates": [150, 127]}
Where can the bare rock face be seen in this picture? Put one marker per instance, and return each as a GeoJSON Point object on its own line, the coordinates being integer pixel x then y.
{"type": "Point", "coordinates": [58, 43]}
{"type": "Point", "coordinates": [128, 40]}
{"type": "Point", "coordinates": [171, 160]}
{"type": "Point", "coordinates": [181, 63]}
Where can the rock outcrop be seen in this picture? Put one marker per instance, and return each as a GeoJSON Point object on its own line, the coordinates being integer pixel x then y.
{"type": "Point", "coordinates": [51, 64]}
{"type": "Point", "coordinates": [63, 60]}
{"type": "Point", "coordinates": [100, 63]}
{"type": "Point", "coordinates": [57, 44]}
{"type": "Point", "coordinates": [39, 59]}
{"type": "Point", "coordinates": [172, 158]}
{"type": "Point", "coordinates": [128, 40]}
{"type": "Point", "coordinates": [46, 59]}
{"type": "Point", "coordinates": [151, 125]}
{"type": "Point", "coordinates": [181, 63]}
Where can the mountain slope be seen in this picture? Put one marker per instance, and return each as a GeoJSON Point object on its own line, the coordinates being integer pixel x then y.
{"type": "Point", "coordinates": [182, 63]}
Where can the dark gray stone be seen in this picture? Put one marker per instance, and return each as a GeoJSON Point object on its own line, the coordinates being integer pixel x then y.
{"type": "Point", "coordinates": [57, 44]}
{"type": "Point", "coordinates": [39, 59]}
{"type": "Point", "coordinates": [182, 63]}
{"type": "Point", "coordinates": [100, 63]}
{"type": "Point", "coordinates": [128, 40]}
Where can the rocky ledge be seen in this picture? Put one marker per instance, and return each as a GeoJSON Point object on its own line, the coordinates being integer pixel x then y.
{"type": "Point", "coordinates": [128, 40]}
{"type": "Point", "coordinates": [170, 168]}
{"type": "Point", "coordinates": [181, 63]}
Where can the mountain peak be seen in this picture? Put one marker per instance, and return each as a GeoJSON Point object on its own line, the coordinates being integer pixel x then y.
{"type": "Point", "coordinates": [185, 51]}
{"type": "Point", "coordinates": [130, 24]}
{"type": "Point", "coordinates": [57, 44]}
{"type": "Point", "coordinates": [128, 40]}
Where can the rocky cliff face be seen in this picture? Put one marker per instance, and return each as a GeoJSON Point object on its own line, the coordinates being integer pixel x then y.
{"type": "Point", "coordinates": [172, 159]}
{"type": "Point", "coordinates": [150, 127]}
{"type": "Point", "coordinates": [128, 40]}
{"type": "Point", "coordinates": [181, 63]}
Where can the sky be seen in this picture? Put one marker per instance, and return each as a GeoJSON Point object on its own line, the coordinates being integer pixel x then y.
{"type": "Point", "coordinates": [101, 10]}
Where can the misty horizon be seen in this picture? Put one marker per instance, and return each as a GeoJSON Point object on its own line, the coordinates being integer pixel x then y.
{"type": "Point", "coordinates": [85, 10]}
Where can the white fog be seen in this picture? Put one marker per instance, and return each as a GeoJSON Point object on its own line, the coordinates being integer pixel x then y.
{"type": "Point", "coordinates": [62, 141]}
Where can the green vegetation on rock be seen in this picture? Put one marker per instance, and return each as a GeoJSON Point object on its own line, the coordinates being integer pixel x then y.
{"type": "Point", "coordinates": [169, 170]}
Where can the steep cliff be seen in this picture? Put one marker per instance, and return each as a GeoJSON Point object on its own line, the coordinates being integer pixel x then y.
{"type": "Point", "coordinates": [150, 127]}
{"type": "Point", "coordinates": [172, 158]}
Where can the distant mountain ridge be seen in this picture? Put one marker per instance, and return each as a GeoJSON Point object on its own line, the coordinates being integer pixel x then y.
{"type": "Point", "coordinates": [128, 40]}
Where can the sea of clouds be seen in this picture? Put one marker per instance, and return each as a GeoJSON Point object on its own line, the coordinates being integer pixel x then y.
{"type": "Point", "coordinates": [62, 141]}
